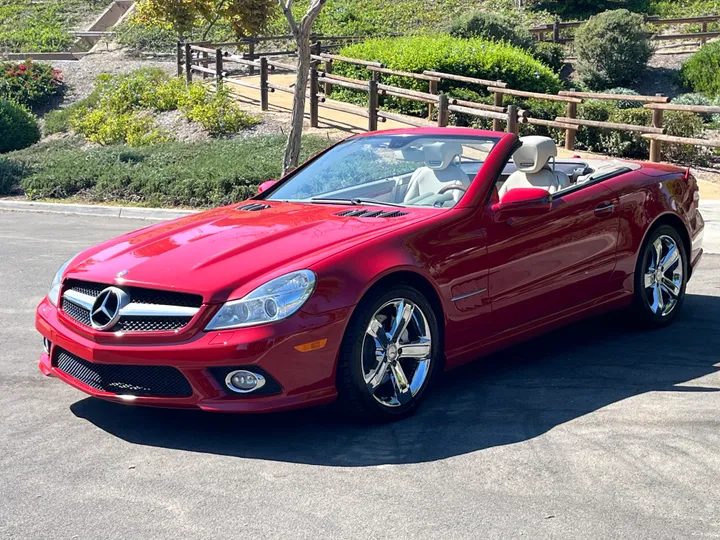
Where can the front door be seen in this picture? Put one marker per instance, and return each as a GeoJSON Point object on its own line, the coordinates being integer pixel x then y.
{"type": "Point", "coordinates": [545, 264]}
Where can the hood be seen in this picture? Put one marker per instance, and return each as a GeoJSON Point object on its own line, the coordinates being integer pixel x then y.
{"type": "Point", "coordinates": [217, 252]}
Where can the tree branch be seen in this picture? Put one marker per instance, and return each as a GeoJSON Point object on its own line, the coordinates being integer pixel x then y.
{"type": "Point", "coordinates": [287, 11]}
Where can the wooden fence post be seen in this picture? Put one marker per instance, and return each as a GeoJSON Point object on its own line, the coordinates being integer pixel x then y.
{"type": "Point", "coordinates": [218, 68]}
{"type": "Point", "coordinates": [205, 62]}
{"type": "Point", "coordinates": [372, 105]}
{"type": "Point", "coordinates": [656, 146]}
{"type": "Point", "coordinates": [264, 103]}
{"type": "Point", "coordinates": [328, 70]}
{"type": "Point", "coordinates": [703, 40]}
{"type": "Point", "coordinates": [314, 89]}
{"type": "Point", "coordinates": [188, 63]}
{"type": "Point", "coordinates": [498, 102]}
{"type": "Point", "coordinates": [179, 54]}
{"type": "Point", "coordinates": [443, 112]}
{"type": "Point", "coordinates": [434, 91]}
{"type": "Point", "coordinates": [512, 122]}
{"type": "Point", "coordinates": [570, 134]}
{"type": "Point", "coordinates": [251, 57]}
{"type": "Point", "coordinates": [556, 31]}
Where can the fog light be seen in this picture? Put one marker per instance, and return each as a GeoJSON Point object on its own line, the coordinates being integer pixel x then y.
{"type": "Point", "coordinates": [243, 381]}
{"type": "Point", "coordinates": [46, 345]}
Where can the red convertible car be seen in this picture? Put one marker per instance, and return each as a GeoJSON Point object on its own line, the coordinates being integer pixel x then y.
{"type": "Point", "coordinates": [363, 274]}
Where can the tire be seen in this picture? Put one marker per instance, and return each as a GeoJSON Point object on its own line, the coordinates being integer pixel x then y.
{"type": "Point", "coordinates": [657, 302]}
{"type": "Point", "coordinates": [366, 390]}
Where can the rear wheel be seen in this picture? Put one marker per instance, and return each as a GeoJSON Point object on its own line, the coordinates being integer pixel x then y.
{"type": "Point", "coordinates": [389, 355]}
{"type": "Point", "coordinates": [660, 277]}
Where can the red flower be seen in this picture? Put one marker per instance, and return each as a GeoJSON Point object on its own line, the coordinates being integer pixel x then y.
{"type": "Point", "coordinates": [22, 67]}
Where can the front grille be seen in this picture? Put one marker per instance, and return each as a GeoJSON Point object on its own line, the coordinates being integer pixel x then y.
{"type": "Point", "coordinates": [138, 295]}
{"type": "Point", "coordinates": [371, 213]}
{"type": "Point", "coordinates": [146, 381]}
{"type": "Point", "coordinates": [78, 313]}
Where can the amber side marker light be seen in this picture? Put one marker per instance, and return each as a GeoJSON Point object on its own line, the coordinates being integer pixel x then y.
{"type": "Point", "coordinates": [312, 346]}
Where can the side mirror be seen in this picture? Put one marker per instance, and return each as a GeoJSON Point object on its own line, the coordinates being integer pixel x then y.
{"type": "Point", "coordinates": [266, 185]}
{"type": "Point", "coordinates": [523, 202]}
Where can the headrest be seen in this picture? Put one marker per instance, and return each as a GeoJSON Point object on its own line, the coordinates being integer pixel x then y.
{"type": "Point", "coordinates": [534, 154]}
{"type": "Point", "coordinates": [439, 155]}
{"type": "Point", "coordinates": [410, 154]}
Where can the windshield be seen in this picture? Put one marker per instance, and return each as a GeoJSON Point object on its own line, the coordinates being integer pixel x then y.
{"type": "Point", "coordinates": [396, 170]}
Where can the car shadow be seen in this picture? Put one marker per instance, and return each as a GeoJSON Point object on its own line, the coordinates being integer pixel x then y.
{"type": "Point", "coordinates": [506, 398]}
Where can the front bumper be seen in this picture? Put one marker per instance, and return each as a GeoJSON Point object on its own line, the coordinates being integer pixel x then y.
{"type": "Point", "coordinates": [304, 378]}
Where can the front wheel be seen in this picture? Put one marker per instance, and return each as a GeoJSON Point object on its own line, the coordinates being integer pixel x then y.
{"type": "Point", "coordinates": [660, 277]}
{"type": "Point", "coordinates": [389, 356]}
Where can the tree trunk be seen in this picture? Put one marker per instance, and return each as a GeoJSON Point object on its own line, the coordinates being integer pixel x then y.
{"type": "Point", "coordinates": [301, 33]}
{"type": "Point", "coordinates": [292, 149]}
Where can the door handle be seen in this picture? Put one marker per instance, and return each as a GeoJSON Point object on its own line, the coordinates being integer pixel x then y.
{"type": "Point", "coordinates": [604, 209]}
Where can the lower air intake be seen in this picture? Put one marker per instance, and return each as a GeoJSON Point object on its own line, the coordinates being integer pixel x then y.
{"type": "Point", "coordinates": [146, 381]}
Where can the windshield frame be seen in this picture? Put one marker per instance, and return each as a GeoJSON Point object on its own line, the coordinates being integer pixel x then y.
{"type": "Point", "coordinates": [408, 137]}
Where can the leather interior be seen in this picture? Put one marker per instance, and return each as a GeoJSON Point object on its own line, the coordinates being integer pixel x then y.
{"type": "Point", "coordinates": [440, 170]}
{"type": "Point", "coordinates": [533, 168]}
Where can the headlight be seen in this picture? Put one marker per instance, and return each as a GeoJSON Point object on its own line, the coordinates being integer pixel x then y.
{"type": "Point", "coordinates": [54, 292]}
{"type": "Point", "coordinates": [276, 300]}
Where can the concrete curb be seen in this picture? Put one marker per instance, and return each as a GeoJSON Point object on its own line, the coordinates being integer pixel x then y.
{"type": "Point", "coordinates": [129, 212]}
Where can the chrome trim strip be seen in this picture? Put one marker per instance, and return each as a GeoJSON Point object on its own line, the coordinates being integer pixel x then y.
{"type": "Point", "coordinates": [133, 309]}
{"type": "Point", "coordinates": [157, 310]}
{"type": "Point", "coordinates": [468, 295]}
{"type": "Point", "coordinates": [79, 299]}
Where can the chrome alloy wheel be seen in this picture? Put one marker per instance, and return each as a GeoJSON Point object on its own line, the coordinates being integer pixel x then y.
{"type": "Point", "coordinates": [663, 278]}
{"type": "Point", "coordinates": [396, 352]}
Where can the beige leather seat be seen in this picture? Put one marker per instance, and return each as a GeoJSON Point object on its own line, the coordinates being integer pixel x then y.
{"type": "Point", "coordinates": [533, 169]}
{"type": "Point", "coordinates": [440, 170]}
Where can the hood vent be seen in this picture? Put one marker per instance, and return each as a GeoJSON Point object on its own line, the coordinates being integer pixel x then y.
{"type": "Point", "coordinates": [363, 212]}
{"type": "Point", "coordinates": [253, 207]}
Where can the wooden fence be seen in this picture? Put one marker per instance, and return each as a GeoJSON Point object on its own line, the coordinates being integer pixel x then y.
{"type": "Point", "coordinates": [554, 32]}
{"type": "Point", "coordinates": [212, 63]}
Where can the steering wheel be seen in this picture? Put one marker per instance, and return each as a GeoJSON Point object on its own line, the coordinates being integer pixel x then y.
{"type": "Point", "coordinates": [445, 189]}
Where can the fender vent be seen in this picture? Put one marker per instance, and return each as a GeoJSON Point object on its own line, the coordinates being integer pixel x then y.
{"type": "Point", "coordinates": [371, 213]}
{"type": "Point", "coordinates": [253, 207]}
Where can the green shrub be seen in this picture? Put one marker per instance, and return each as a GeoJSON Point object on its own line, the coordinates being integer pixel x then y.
{"type": "Point", "coordinates": [217, 112]}
{"type": "Point", "coordinates": [121, 109]}
{"type": "Point", "coordinates": [32, 84]}
{"type": "Point", "coordinates": [18, 127]}
{"type": "Point", "coordinates": [698, 99]}
{"type": "Point", "coordinates": [589, 138]}
{"type": "Point", "coordinates": [492, 27]}
{"type": "Point", "coordinates": [701, 72]}
{"type": "Point", "coordinates": [613, 49]}
{"type": "Point", "coordinates": [10, 176]}
{"type": "Point", "coordinates": [627, 143]}
{"type": "Point", "coordinates": [684, 124]}
{"type": "Point", "coordinates": [200, 174]}
{"type": "Point", "coordinates": [625, 103]}
{"type": "Point", "coordinates": [550, 54]}
{"type": "Point", "coordinates": [470, 57]}
{"type": "Point", "coordinates": [58, 121]}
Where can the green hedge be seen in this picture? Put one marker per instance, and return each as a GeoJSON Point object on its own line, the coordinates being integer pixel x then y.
{"type": "Point", "coordinates": [470, 57]}
{"type": "Point", "coordinates": [201, 174]}
{"type": "Point", "coordinates": [701, 71]}
{"type": "Point", "coordinates": [18, 128]}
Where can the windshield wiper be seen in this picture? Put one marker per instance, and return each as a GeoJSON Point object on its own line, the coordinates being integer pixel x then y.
{"type": "Point", "coordinates": [357, 201]}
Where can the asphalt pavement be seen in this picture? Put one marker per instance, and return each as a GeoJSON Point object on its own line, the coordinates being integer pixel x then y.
{"type": "Point", "coordinates": [594, 431]}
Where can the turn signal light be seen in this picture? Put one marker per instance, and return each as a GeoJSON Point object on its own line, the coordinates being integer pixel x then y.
{"type": "Point", "coordinates": [312, 346]}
